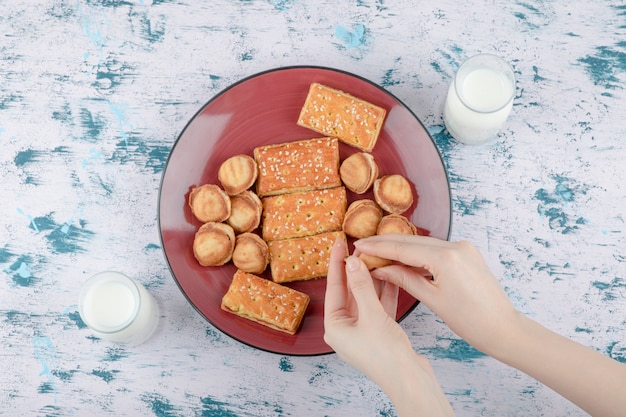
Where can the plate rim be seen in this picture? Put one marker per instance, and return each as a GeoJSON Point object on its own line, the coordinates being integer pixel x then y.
{"type": "Point", "coordinates": [224, 91]}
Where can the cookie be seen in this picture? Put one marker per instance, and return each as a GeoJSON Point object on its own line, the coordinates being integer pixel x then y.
{"type": "Point", "coordinates": [362, 219]}
{"type": "Point", "coordinates": [265, 302]}
{"type": "Point", "coordinates": [209, 203]}
{"type": "Point", "coordinates": [335, 113]}
{"type": "Point", "coordinates": [251, 253]}
{"type": "Point", "coordinates": [302, 258]}
{"type": "Point", "coordinates": [303, 213]}
{"type": "Point", "coordinates": [358, 172]}
{"type": "Point", "coordinates": [393, 193]}
{"type": "Point", "coordinates": [245, 212]}
{"type": "Point", "coordinates": [237, 174]}
{"type": "Point", "coordinates": [297, 166]}
{"type": "Point", "coordinates": [396, 223]}
{"type": "Point", "coordinates": [213, 244]}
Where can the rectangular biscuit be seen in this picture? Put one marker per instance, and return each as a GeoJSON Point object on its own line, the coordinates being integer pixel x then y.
{"type": "Point", "coordinates": [332, 112]}
{"type": "Point", "coordinates": [297, 166]}
{"type": "Point", "coordinates": [265, 302]}
{"type": "Point", "coordinates": [306, 213]}
{"type": "Point", "coordinates": [302, 258]}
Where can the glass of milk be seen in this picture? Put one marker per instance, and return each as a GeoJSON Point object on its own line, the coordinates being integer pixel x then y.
{"type": "Point", "coordinates": [480, 99]}
{"type": "Point", "coordinates": [118, 308]}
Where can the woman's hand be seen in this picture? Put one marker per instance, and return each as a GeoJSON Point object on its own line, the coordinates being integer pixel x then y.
{"type": "Point", "coordinates": [360, 325]}
{"type": "Point", "coordinates": [359, 321]}
{"type": "Point", "coordinates": [466, 295]}
{"type": "Point", "coordinates": [453, 280]}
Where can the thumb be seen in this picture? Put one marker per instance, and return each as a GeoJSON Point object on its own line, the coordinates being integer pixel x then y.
{"type": "Point", "coordinates": [361, 285]}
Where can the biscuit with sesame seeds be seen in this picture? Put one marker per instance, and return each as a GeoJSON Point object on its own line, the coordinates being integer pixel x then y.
{"type": "Point", "coordinates": [335, 113]}
{"type": "Point", "coordinates": [302, 258]}
{"type": "Point", "coordinates": [305, 213]}
{"type": "Point", "coordinates": [265, 302]}
{"type": "Point", "coordinates": [297, 166]}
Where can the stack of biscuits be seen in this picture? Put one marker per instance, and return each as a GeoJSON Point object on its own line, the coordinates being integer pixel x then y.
{"type": "Point", "coordinates": [298, 208]}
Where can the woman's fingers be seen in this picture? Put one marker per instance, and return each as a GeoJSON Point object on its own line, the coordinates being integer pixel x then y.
{"type": "Point", "coordinates": [389, 298]}
{"type": "Point", "coordinates": [336, 291]}
{"type": "Point", "coordinates": [409, 279]}
{"type": "Point", "coordinates": [419, 251]}
{"type": "Point", "coordinates": [361, 285]}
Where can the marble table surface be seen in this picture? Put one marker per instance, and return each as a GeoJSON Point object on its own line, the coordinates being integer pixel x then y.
{"type": "Point", "coordinates": [93, 94]}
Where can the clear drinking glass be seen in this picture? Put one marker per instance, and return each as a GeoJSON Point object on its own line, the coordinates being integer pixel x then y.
{"type": "Point", "coordinates": [118, 308]}
{"type": "Point", "coordinates": [480, 99]}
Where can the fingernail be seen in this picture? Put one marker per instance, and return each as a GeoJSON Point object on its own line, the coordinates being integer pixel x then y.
{"type": "Point", "coordinates": [352, 263]}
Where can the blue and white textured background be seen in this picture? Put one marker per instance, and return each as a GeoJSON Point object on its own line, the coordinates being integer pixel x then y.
{"type": "Point", "coordinates": [92, 97]}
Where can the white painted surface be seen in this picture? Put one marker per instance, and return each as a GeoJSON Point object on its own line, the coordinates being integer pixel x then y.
{"type": "Point", "coordinates": [93, 95]}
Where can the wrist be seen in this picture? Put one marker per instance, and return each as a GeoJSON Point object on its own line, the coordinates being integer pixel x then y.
{"type": "Point", "coordinates": [413, 388]}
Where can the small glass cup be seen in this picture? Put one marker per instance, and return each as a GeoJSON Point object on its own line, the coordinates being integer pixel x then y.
{"type": "Point", "coordinates": [480, 99]}
{"type": "Point", "coordinates": [118, 308]}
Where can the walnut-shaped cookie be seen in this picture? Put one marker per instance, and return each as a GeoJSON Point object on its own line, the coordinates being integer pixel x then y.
{"type": "Point", "coordinates": [393, 193]}
{"type": "Point", "coordinates": [209, 203]}
{"type": "Point", "coordinates": [213, 244]}
{"type": "Point", "coordinates": [245, 212]}
{"type": "Point", "coordinates": [358, 172]}
{"type": "Point", "coordinates": [238, 173]}
{"type": "Point", "coordinates": [362, 218]}
{"type": "Point", "coordinates": [251, 253]}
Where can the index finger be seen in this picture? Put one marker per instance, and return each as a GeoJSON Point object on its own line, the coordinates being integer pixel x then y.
{"type": "Point", "coordinates": [336, 287]}
{"type": "Point", "coordinates": [413, 250]}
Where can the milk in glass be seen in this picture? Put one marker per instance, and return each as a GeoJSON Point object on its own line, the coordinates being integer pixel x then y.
{"type": "Point", "coordinates": [117, 308]}
{"type": "Point", "coordinates": [480, 99]}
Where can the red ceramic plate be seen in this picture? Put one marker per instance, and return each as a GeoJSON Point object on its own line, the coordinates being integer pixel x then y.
{"type": "Point", "coordinates": [263, 109]}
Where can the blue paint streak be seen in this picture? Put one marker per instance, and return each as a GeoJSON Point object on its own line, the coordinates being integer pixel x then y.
{"type": "Point", "coordinates": [616, 352]}
{"type": "Point", "coordinates": [553, 204]}
{"type": "Point", "coordinates": [160, 405]}
{"type": "Point", "coordinates": [606, 66]}
{"type": "Point", "coordinates": [93, 155]}
{"type": "Point", "coordinates": [214, 408]}
{"type": "Point", "coordinates": [121, 118]}
{"type": "Point", "coordinates": [106, 376]}
{"type": "Point", "coordinates": [150, 32]}
{"type": "Point", "coordinates": [64, 376]}
{"type": "Point", "coordinates": [27, 157]}
{"type": "Point", "coordinates": [21, 272]}
{"type": "Point", "coordinates": [537, 78]}
{"type": "Point", "coordinates": [351, 39]}
{"type": "Point", "coordinates": [388, 80]}
{"type": "Point", "coordinates": [63, 238]}
{"type": "Point", "coordinates": [282, 5]}
{"type": "Point", "coordinates": [115, 353]}
{"type": "Point", "coordinates": [285, 364]}
{"type": "Point", "coordinates": [151, 246]}
{"type": "Point", "coordinates": [615, 289]}
{"type": "Point", "coordinates": [93, 125]}
{"type": "Point", "coordinates": [44, 352]}
{"type": "Point", "coordinates": [457, 350]}
{"type": "Point", "coordinates": [470, 207]}
{"type": "Point", "coordinates": [74, 317]}
{"type": "Point", "coordinates": [5, 254]}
